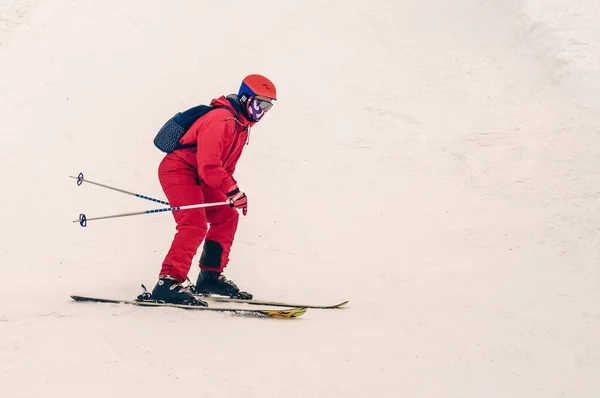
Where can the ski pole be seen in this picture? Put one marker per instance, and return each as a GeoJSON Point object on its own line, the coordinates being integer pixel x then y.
{"type": "Point", "coordinates": [80, 180]}
{"type": "Point", "coordinates": [83, 219]}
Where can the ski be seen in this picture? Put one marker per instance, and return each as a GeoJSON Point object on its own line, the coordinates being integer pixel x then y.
{"type": "Point", "coordinates": [222, 299]}
{"type": "Point", "coordinates": [294, 312]}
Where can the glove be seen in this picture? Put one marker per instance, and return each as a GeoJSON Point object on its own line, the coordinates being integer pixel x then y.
{"type": "Point", "coordinates": [238, 199]}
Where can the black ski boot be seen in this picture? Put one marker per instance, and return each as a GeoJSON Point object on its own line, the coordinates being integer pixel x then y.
{"type": "Point", "coordinates": [210, 282]}
{"type": "Point", "coordinates": [169, 290]}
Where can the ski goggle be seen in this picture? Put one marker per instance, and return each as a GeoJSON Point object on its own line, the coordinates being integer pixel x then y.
{"type": "Point", "coordinates": [263, 104]}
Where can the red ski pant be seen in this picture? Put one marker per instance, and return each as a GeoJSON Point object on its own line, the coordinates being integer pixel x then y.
{"type": "Point", "coordinates": [181, 184]}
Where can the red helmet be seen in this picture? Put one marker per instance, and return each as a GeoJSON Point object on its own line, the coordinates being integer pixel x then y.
{"type": "Point", "coordinates": [254, 85]}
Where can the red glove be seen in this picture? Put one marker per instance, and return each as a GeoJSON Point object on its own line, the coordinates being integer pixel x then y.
{"type": "Point", "coordinates": [238, 199]}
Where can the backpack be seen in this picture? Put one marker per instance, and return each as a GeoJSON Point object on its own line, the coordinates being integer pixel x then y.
{"type": "Point", "coordinates": [167, 139]}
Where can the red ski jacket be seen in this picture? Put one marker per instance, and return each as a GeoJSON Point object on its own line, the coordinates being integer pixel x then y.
{"type": "Point", "coordinates": [220, 136]}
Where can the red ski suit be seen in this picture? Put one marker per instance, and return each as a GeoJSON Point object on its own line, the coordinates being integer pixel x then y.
{"type": "Point", "coordinates": [203, 175]}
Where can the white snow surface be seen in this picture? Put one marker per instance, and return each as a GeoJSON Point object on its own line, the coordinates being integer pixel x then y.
{"type": "Point", "coordinates": [434, 162]}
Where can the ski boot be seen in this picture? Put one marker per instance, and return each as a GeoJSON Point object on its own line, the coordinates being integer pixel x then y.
{"type": "Point", "coordinates": [211, 282]}
{"type": "Point", "coordinates": [169, 290]}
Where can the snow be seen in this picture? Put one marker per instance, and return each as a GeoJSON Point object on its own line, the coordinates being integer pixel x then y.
{"type": "Point", "coordinates": [435, 163]}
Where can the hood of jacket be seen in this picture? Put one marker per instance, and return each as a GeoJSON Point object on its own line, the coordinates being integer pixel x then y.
{"type": "Point", "coordinates": [232, 102]}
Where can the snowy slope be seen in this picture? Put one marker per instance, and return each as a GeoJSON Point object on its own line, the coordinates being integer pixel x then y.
{"type": "Point", "coordinates": [434, 162]}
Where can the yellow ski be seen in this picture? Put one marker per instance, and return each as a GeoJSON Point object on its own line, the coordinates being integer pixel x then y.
{"type": "Point", "coordinates": [294, 312]}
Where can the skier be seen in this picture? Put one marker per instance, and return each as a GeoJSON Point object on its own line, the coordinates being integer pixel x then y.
{"type": "Point", "coordinates": [204, 174]}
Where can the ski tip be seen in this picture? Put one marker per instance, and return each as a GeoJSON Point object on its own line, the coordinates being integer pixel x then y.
{"type": "Point", "coordinates": [329, 307]}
